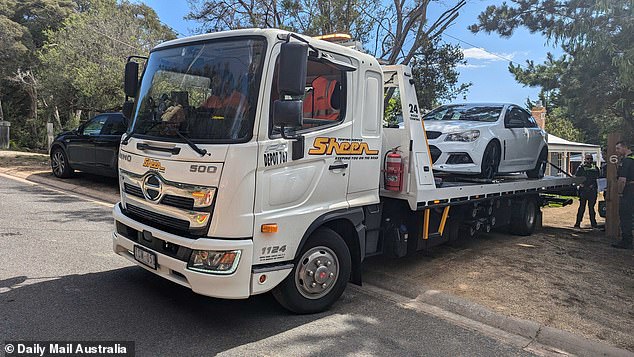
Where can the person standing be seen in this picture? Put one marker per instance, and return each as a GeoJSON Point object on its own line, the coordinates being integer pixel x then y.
{"type": "Point", "coordinates": [626, 194]}
{"type": "Point", "coordinates": [587, 190]}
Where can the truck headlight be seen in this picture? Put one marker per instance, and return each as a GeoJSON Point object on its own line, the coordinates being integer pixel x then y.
{"type": "Point", "coordinates": [214, 262]}
{"type": "Point", "coordinates": [465, 136]}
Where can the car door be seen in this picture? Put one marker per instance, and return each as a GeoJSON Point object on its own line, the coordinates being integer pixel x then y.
{"type": "Point", "coordinates": [514, 138]}
{"type": "Point", "coordinates": [535, 139]}
{"type": "Point", "coordinates": [107, 143]}
{"type": "Point", "coordinates": [81, 147]}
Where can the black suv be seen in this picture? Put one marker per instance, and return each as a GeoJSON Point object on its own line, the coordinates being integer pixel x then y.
{"type": "Point", "coordinates": [93, 147]}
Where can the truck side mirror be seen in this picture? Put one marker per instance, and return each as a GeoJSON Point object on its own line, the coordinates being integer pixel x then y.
{"type": "Point", "coordinates": [131, 79]}
{"type": "Point", "coordinates": [293, 64]}
{"type": "Point", "coordinates": [288, 113]}
{"type": "Point", "coordinates": [128, 106]}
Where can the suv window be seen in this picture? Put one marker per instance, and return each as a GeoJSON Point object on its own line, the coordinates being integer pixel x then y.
{"type": "Point", "coordinates": [324, 96]}
{"type": "Point", "coordinates": [114, 126]}
{"type": "Point", "coordinates": [95, 125]}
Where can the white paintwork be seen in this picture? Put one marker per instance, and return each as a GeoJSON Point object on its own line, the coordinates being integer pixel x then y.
{"type": "Point", "coordinates": [234, 286]}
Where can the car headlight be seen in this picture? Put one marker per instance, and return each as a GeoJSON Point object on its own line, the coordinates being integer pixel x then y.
{"type": "Point", "coordinates": [465, 136]}
{"type": "Point", "coordinates": [214, 262]}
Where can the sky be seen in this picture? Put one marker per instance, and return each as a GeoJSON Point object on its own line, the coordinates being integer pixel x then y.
{"type": "Point", "coordinates": [487, 55]}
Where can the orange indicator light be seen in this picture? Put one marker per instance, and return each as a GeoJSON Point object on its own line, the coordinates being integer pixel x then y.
{"type": "Point", "coordinates": [269, 228]}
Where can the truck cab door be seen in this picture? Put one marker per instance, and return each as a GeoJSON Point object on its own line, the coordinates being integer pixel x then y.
{"type": "Point", "coordinates": [298, 181]}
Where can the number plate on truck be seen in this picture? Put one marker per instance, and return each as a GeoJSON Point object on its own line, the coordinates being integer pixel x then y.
{"type": "Point", "coordinates": [145, 257]}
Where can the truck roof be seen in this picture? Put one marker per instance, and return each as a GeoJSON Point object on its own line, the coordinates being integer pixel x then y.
{"type": "Point", "coordinates": [272, 34]}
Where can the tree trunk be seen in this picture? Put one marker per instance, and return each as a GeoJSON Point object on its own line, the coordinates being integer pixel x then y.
{"type": "Point", "coordinates": [57, 121]}
{"type": "Point", "coordinates": [1, 113]}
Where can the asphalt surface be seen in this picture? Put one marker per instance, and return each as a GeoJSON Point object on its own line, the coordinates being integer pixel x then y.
{"type": "Point", "coordinates": [60, 280]}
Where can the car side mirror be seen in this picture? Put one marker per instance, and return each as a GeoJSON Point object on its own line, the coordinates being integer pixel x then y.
{"type": "Point", "coordinates": [131, 79]}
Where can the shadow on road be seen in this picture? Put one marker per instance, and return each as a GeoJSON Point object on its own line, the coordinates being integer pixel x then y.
{"type": "Point", "coordinates": [132, 304]}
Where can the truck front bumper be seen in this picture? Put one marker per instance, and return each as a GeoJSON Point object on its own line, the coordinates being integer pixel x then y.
{"type": "Point", "coordinates": [173, 266]}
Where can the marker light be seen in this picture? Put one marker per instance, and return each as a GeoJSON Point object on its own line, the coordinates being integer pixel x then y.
{"type": "Point", "coordinates": [214, 262]}
{"type": "Point", "coordinates": [269, 228]}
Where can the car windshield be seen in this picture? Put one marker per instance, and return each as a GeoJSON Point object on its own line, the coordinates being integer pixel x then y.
{"type": "Point", "coordinates": [486, 113]}
{"type": "Point", "coordinates": [206, 92]}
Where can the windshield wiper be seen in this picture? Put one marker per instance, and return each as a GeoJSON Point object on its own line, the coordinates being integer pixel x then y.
{"type": "Point", "coordinates": [191, 144]}
{"type": "Point", "coordinates": [134, 132]}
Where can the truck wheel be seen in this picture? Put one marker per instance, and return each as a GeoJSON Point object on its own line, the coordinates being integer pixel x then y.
{"type": "Point", "coordinates": [320, 274]}
{"type": "Point", "coordinates": [524, 218]}
{"type": "Point", "coordinates": [59, 164]}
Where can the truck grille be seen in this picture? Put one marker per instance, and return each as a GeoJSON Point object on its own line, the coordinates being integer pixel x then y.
{"type": "Point", "coordinates": [169, 200]}
{"type": "Point", "coordinates": [133, 190]}
{"type": "Point", "coordinates": [178, 202]}
{"type": "Point", "coordinates": [157, 218]}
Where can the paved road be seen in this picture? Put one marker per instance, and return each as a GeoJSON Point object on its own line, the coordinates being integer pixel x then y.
{"type": "Point", "coordinates": [60, 280]}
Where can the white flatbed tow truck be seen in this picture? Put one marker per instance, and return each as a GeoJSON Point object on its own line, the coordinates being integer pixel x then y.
{"type": "Point", "coordinates": [237, 177]}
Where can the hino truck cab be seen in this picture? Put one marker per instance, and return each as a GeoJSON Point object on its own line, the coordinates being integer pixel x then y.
{"type": "Point", "coordinates": [252, 162]}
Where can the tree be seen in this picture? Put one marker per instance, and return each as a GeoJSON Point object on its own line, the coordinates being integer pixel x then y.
{"type": "Point", "coordinates": [22, 24]}
{"type": "Point", "coordinates": [82, 62]}
{"type": "Point", "coordinates": [594, 81]}
{"type": "Point", "coordinates": [396, 32]}
{"type": "Point", "coordinates": [434, 70]}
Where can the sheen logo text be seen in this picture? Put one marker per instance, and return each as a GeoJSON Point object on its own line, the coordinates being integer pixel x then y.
{"type": "Point", "coordinates": [153, 164]}
{"type": "Point", "coordinates": [328, 146]}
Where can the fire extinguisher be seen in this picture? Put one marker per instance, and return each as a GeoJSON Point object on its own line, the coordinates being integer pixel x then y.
{"type": "Point", "coordinates": [393, 173]}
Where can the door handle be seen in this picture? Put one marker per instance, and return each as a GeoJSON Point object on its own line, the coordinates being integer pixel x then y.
{"type": "Point", "coordinates": [337, 166]}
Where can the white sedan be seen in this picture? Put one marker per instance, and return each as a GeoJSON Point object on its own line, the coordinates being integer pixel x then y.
{"type": "Point", "coordinates": [485, 139]}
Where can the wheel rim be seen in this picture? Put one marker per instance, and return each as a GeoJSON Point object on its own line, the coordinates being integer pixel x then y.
{"type": "Point", "coordinates": [58, 163]}
{"type": "Point", "coordinates": [490, 161]}
{"type": "Point", "coordinates": [317, 272]}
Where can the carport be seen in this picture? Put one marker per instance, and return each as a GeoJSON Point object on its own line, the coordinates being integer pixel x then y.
{"type": "Point", "coordinates": [562, 153]}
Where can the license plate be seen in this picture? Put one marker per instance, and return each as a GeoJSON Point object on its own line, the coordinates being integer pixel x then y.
{"type": "Point", "coordinates": [145, 257]}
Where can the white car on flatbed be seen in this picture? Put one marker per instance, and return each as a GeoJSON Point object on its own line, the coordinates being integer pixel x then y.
{"type": "Point", "coordinates": [485, 139]}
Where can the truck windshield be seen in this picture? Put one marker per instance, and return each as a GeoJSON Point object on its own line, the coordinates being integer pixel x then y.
{"type": "Point", "coordinates": [206, 92]}
{"type": "Point", "coordinates": [486, 113]}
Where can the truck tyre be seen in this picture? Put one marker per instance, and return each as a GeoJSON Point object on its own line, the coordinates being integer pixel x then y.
{"type": "Point", "coordinates": [524, 218]}
{"type": "Point", "coordinates": [59, 164]}
{"type": "Point", "coordinates": [320, 275]}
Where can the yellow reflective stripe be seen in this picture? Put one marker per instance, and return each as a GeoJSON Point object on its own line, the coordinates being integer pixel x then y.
{"type": "Point", "coordinates": [443, 220]}
{"type": "Point", "coordinates": [426, 225]}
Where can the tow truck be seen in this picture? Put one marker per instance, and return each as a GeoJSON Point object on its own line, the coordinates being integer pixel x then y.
{"type": "Point", "coordinates": [257, 160]}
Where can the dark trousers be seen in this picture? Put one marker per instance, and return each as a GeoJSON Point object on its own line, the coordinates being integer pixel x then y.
{"type": "Point", "coordinates": [589, 198]}
{"type": "Point", "coordinates": [626, 210]}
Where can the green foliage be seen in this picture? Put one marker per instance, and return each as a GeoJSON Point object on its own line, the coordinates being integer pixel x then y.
{"type": "Point", "coordinates": [67, 57]}
{"type": "Point", "coordinates": [558, 125]}
{"type": "Point", "coordinates": [393, 110]}
{"type": "Point", "coordinates": [435, 74]}
{"type": "Point", "coordinates": [593, 83]}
